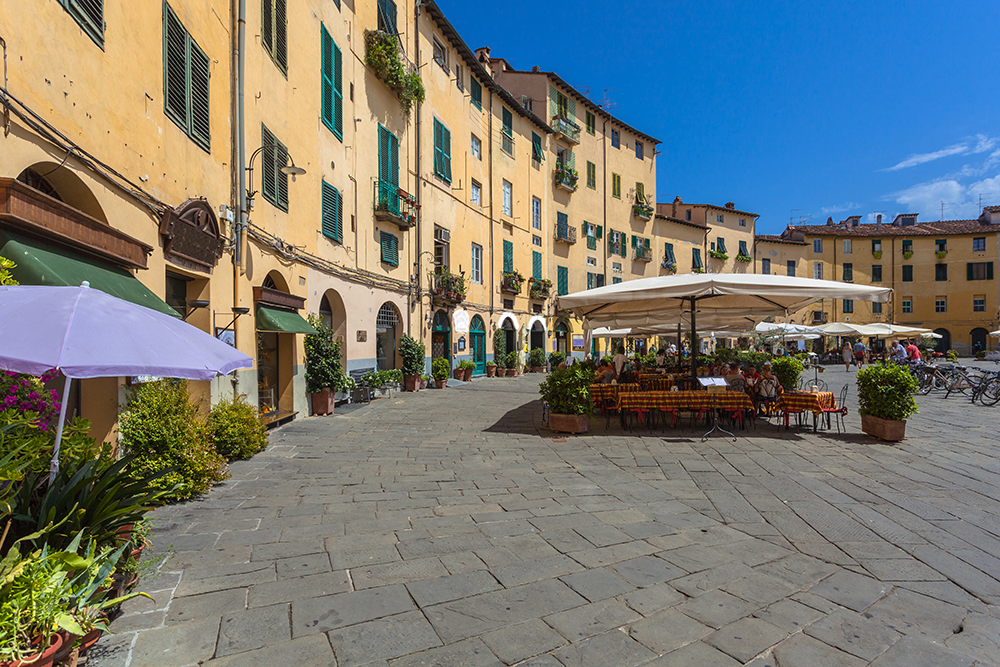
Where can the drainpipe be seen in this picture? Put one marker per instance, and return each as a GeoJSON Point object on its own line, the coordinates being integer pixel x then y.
{"type": "Point", "coordinates": [492, 219]}
{"type": "Point", "coordinates": [419, 183]}
{"type": "Point", "coordinates": [241, 24]}
{"type": "Point", "coordinates": [833, 276]}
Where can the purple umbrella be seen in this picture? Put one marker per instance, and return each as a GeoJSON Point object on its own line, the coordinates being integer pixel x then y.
{"type": "Point", "coordinates": [86, 333]}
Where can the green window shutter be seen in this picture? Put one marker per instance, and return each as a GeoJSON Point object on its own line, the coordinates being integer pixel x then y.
{"type": "Point", "coordinates": [536, 147]}
{"type": "Point", "coordinates": [600, 231]}
{"type": "Point", "coordinates": [645, 244]}
{"type": "Point", "coordinates": [393, 159]}
{"type": "Point", "coordinates": [89, 14]}
{"type": "Point", "coordinates": [536, 265]}
{"type": "Point", "coordinates": [563, 279]}
{"type": "Point", "coordinates": [383, 154]}
{"type": "Point", "coordinates": [332, 213]}
{"type": "Point", "coordinates": [387, 16]}
{"type": "Point", "coordinates": [268, 185]}
{"type": "Point", "coordinates": [175, 85]}
{"type": "Point", "coordinates": [634, 239]}
{"type": "Point", "coordinates": [326, 77]}
{"type": "Point", "coordinates": [743, 248]}
{"type": "Point", "coordinates": [438, 148]}
{"type": "Point", "coordinates": [199, 96]}
{"type": "Point", "coordinates": [508, 256]}
{"type": "Point", "coordinates": [969, 272]}
{"type": "Point", "coordinates": [508, 121]}
{"type": "Point", "coordinates": [989, 270]}
{"type": "Point", "coordinates": [553, 101]}
{"type": "Point", "coordinates": [338, 93]}
{"type": "Point", "coordinates": [476, 93]}
{"type": "Point", "coordinates": [571, 108]}
{"type": "Point", "coordinates": [274, 32]}
{"type": "Point", "coordinates": [390, 249]}
{"type": "Point", "coordinates": [446, 148]}
{"type": "Point", "coordinates": [590, 280]}
{"type": "Point", "coordinates": [267, 26]}
{"type": "Point", "coordinates": [721, 245]}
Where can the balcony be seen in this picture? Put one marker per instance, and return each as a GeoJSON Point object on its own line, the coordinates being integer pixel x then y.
{"type": "Point", "coordinates": [566, 178]}
{"type": "Point", "coordinates": [566, 129]}
{"type": "Point", "coordinates": [391, 204]}
{"type": "Point", "coordinates": [511, 282]}
{"type": "Point", "coordinates": [643, 254]}
{"type": "Point", "coordinates": [642, 210]}
{"type": "Point", "coordinates": [669, 263]}
{"type": "Point", "coordinates": [565, 232]}
{"type": "Point", "coordinates": [591, 243]}
{"type": "Point", "coordinates": [449, 288]}
{"type": "Point", "coordinates": [539, 288]}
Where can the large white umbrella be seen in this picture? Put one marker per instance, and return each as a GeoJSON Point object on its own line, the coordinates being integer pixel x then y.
{"type": "Point", "coordinates": [719, 300]}
{"type": "Point", "coordinates": [86, 333]}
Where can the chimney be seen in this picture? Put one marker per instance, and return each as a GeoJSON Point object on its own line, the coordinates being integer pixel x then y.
{"type": "Point", "coordinates": [829, 222]}
{"type": "Point", "coordinates": [878, 222]}
{"type": "Point", "coordinates": [483, 53]}
{"type": "Point", "coordinates": [730, 205]}
{"type": "Point", "coordinates": [536, 68]}
{"type": "Point", "coordinates": [677, 200]}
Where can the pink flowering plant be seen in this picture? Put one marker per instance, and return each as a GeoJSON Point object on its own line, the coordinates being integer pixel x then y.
{"type": "Point", "coordinates": [26, 393]}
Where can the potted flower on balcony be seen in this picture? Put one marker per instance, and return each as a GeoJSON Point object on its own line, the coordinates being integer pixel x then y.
{"type": "Point", "coordinates": [941, 254]}
{"type": "Point", "coordinates": [565, 176]}
{"type": "Point", "coordinates": [718, 254]}
{"type": "Point", "coordinates": [512, 281]}
{"type": "Point", "coordinates": [540, 288]}
{"type": "Point", "coordinates": [746, 259]}
{"type": "Point", "coordinates": [536, 359]}
{"type": "Point", "coordinates": [323, 372]}
{"type": "Point", "coordinates": [412, 351]}
{"type": "Point", "coordinates": [908, 254]}
{"type": "Point", "coordinates": [877, 254]}
{"type": "Point", "coordinates": [642, 210]}
{"type": "Point", "coordinates": [885, 400]}
{"type": "Point", "coordinates": [669, 266]}
{"type": "Point", "coordinates": [567, 393]}
{"type": "Point", "coordinates": [439, 369]}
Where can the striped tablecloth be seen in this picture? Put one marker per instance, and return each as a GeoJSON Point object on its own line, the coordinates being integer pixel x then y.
{"type": "Point", "coordinates": [605, 392]}
{"type": "Point", "coordinates": [656, 383]}
{"type": "Point", "coordinates": [684, 400]}
{"type": "Point", "coordinates": [794, 401]}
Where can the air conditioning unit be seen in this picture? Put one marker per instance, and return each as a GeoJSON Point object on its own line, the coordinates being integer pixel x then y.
{"type": "Point", "coordinates": [442, 235]}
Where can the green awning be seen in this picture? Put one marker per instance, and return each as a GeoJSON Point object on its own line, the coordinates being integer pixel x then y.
{"type": "Point", "coordinates": [282, 321]}
{"type": "Point", "coordinates": [41, 263]}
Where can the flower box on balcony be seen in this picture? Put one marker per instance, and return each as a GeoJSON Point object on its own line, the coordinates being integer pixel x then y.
{"type": "Point", "coordinates": [566, 178]}
{"type": "Point", "coordinates": [394, 205]}
{"type": "Point", "coordinates": [511, 282]}
{"type": "Point", "coordinates": [448, 287]}
{"type": "Point", "coordinates": [643, 255]}
{"type": "Point", "coordinates": [383, 55]}
{"type": "Point", "coordinates": [743, 258]}
{"type": "Point", "coordinates": [941, 254]}
{"type": "Point", "coordinates": [642, 211]}
{"type": "Point", "coordinates": [718, 254]}
{"type": "Point", "coordinates": [540, 288]}
{"type": "Point", "coordinates": [669, 266]}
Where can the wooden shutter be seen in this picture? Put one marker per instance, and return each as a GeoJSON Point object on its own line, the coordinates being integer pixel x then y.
{"type": "Point", "coordinates": [390, 249]}
{"type": "Point", "coordinates": [281, 35]}
{"type": "Point", "coordinates": [175, 69]}
{"type": "Point", "coordinates": [267, 26]}
{"type": "Point", "coordinates": [563, 280]}
{"type": "Point", "coordinates": [332, 212]}
{"type": "Point", "coordinates": [553, 101]}
{"type": "Point", "coordinates": [645, 244]}
{"type": "Point", "coordinates": [90, 15]}
{"type": "Point", "coordinates": [536, 265]}
{"type": "Point", "coordinates": [199, 95]}
{"type": "Point", "coordinates": [640, 193]}
{"type": "Point", "coordinates": [721, 245]}
{"type": "Point", "coordinates": [438, 153]}
{"type": "Point", "coordinates": [390, 15]}
{"type": "Point", "coordinates": [268, 183]}
{"type": "Point", "coordinates": [326, 78]}
{"type": "Point", "coordinates": [508, 121]}
{"type": "Point", "coordinates": [970, 272]}
{"type": "Point", "coordinates": [989, 270]}
{"type": "Point", "coordinates": [338, 93]}
{"type": "Point", "coordinates": [477, 92]}
{"type": "Point", "coordinates": [393, 159]}
{"type": "Point", "coordinates": [280, 160]}
{"type": "Point", "coordinates": [508, 256]}
{"type": "Point", "coordinates": [446, 148]}
{"type": "Point", "coordinates": [600, 232]}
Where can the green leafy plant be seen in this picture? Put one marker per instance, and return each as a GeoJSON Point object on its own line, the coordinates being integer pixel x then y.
{"type": "Point", "coordinates": [440, 369]}
{"type": "Point", "coordinates": [540, 288]}
{"type": "Point", "coordinates": [236, 431]}
{"type": "Point", "coordinates": [160, 426]}
{"type": "Point", "coordinates": [510, 359]}
{"type": "Point", "coordinates": [556, 358]}
{"type": "Point", "coordinates": [787, 370]}
{"type": "Point", "coordinates": [413, 354]}
{"type": "Point", "coordinates": [383, 56]}
{"type": "Point", "coordinates": [323, 354]}
{"type": "Point", "coordinates": [941, 254]}
{"type": "Point", "coordinates": [886, 391]}
{"type": "Point", "coordinates": [5, 266]}
{"type": "Point", "coordinates": [499, 346]}
{"type": "Point", "coordinates": [698, 269]}
{"type": "Point", "coordinates": [718, 254]}
{"type": "Point", "coordinates": [877, 254]}
{"type": "Point", "coordinates": [567, 390]}
{"type": "Point", "coordinates": [952, 355]}
{"type": "Point", "coordinates": [566, 175]}
{"type": "Point", "coordinates": [536, 357]}
{"type": "Point", "coordinates": [25, 432]}
{"type": "Point", "coordinates": [746, 259]}
{"type": "Point", "coordinates": [908, 254]}
{"type": "Point", "coordinates": [512, 281]}
{"type": "Point", "coordinates": [466, 364]}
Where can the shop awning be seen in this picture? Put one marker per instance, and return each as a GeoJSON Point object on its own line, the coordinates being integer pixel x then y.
{"type": "Point", "coordinates": [40, 263]}
{"type": "Point", "coordinates": [282, 321]}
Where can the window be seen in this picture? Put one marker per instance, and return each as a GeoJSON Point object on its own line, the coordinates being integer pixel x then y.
{"type": "Point", "coordinates": [979, 245]}
{"type": "Point", "coordinates": [616, 266]}
{"type": "Point", "coordinates": [907, 305]}
{"type": "Point", "coordinates": [590, 280]}
{"type": "Point", "coordinates": [638, 149]}
{"type": "Point", "coordinates": [508, 256]}
{"type": "Point", "coordinates": [617, 242]}
{"type": "Point", "coordinates": [186, 76]}
{"type": "Point", "coordinates": [907, 247]}
{"type": "Point", "coordinates": [718, 217]}
{"type": "Point", "coordinates": [614, 138]}
{"type": "Point", "coordinates": [791, 267]}
{"type": "Point", "coordinates": [477, 148]}
{"type": "Point", "coordinates": [332, 88]}
{"type": "Point", "coordinates": [876, 245]}
{"type": "Point", "coordinates": [907, 273]}
{"type": "Point", "coordinates": [765, 267]}
{"type": "Point", "coordinates": [507, 133]}
{"type": "Point", "coordinates": [562, 285]}
{"type": "Point", "coordinates": [536, 147]}
{"type": "Point", "coordinates": [848, 272]}
{"type": "Point", "coordinates": [388, 167]}
{"type": "Point", "coordinates": [536, 264]}
{"type": "Point", "coordinates": [941, 304]}
{"type": "Point", "coordinates": [876, 273]}
{"type": "Point", "coordinates": [817, 246]}
{"type": "Point", "coordinates": [979, 271]}
{"type": "Point", "coordinates": [941, 245]}
{"type": "Point", "coordinates": [562, 104]}
{"type": "Point", "coordinates": [274, 32]}
{"type": "Point", "coordinates": [591, 175]}
{"type": "Point", "coordinates": [536, 240]}
{"type": "Point", "coordinates": [668, 253]}
{"type": "Point", "coordinates": [536, 212]}
{"type": "Point", "coordinates": [333, 213]}
{"type": "Point", "coordinates": [640, 193]}
{"type": "Point", "coordinates": [476, 93]}
{"type": "Point", "coordinates": [387, 16]}
{"type": "Point", "coordinates": [508, 199]}
{"type": "Point", "coordinates": [89, 14]}
{"type": "Point", "coordinates": [743, 249]}
{"type": "Point", "coordinates": [876, 308]}
{"type": "Point", "coordinates": [442, 151]}
{"type": "Point", "coordinates": [440, 55]}
{"type": "Point", "coordinates": [847, 246]}
{"type": "Point", "coordinates": [979, 303]}
{"type": "Point", "coordinates": [458, 77]}
{"type": "Point", "coordinates": [721, 244]}
{"type": "Point", "coordinates": [390, 249]}
{"type": "Point", "coordinates": [687, 215]}
{"type": "Point", "coordinates": [274, 184]}
{"type": "Point", "coordinates": [598, 280]}
{"type": "Point", "coordinates": [616, 186]}
{"type": "Point", "coordinates": [696, 258]}
{"type": "Point", "coordinates": [591, 261]}
{"type": "Point", "coordinates": [848, 306]}
{"type": "Point", "coordinates": [477, 263]}
{"type": "Point", "coordinates": [818, 270]}
{"type": "Point", "coordinates": [477, 193]}
{"type": "Point", "coordinates": [442, 248]}
{"type": "Point", "coordinates": [615, 280]}
{"type": "Point", "coordinates": [591, 123]}
{"type": "Point", "coordinates": [528, 104]}
{"type": "Point", "coordinates": [940, 272]}
{"type": "Point", "coordinates": [743, 222]}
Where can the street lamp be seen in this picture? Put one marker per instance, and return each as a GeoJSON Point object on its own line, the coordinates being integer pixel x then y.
{"type": "Point", "coordinates": [288, 170]}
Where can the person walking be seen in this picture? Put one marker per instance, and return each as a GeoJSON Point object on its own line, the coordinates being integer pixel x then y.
{"type": "Point", "coordinates": [848, 355]}
{"type": "Point", "coordinates": [859, 353]}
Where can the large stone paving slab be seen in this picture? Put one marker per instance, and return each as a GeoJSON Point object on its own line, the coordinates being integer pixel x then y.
{"type": "Point", "coordinates": [376, 538]}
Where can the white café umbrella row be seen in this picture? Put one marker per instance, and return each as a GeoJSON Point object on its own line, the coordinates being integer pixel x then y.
{"type": "Point", "coordinates": [86, 333]}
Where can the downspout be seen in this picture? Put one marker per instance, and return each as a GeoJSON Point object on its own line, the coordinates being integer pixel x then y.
{"type": "Point", "coordinates": [833, 276]}
{"type": "Point", "coordinates": [241, 23]}
{"type": "Point", "coordinates": [604, 199]}
{"type": "Point", "coordinates": [892, 275]}
{"type": "Point", "coordinates": [492, 219]}
{"type": "Point", "coordinates": [419, 184]}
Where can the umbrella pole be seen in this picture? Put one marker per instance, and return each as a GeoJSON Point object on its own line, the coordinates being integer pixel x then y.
{"type": "Point", "coordinates": [694, 342]}
{"type": "Point", "coordinates": [54, 465]}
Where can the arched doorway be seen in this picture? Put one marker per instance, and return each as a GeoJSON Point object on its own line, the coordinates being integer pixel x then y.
{"type": "Point", "coordinates": [562, 338]}
{"type": "Point", "coordinates": [510, 334]}
{"type": "Point", "coordinates": [441, 336]}
{"type": "Point", "coordinates": [333, 314]}
{"type": "Point", "coordinates": [275, 355]}
{"type": "Point", "coordinates": [477, 343]}
{"type": "Point", "coordinates": [537, 336]}
{"type": "Point", "coordinates": [386, 334]}
{"type": "Point", "coordinates": [944, 342]}
{"type": "Point", "coordinates": [979, 335]}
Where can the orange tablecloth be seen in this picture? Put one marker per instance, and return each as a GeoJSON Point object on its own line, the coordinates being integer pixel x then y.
{"type": "Point", "coordinates": [656, 383]}
{"type": "Point", "coordinates": [684, 400]}
{"type": "Point", "coordinates": [602, 392]}
{"type": "Point", "coordinates": [807, 401]}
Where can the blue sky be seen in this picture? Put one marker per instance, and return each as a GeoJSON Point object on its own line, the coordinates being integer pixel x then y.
{"type": "Point", "coordinates": [833, 109]}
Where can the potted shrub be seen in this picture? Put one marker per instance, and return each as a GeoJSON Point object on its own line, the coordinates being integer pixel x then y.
{"type": "Point", "coordinates": [885, 400]}
{"type": "Point", "coordinates": [567, 393]}
{"type": "Point", "coordinates": [412, 351]}
{"type": "Point", "coordinates": [439, 369]}
{"type": "Point", "coordinates": [468, 367]}
{"type": "Point", "coordinates": [491, 369]}
{"type": "Point", "coordinates": [424, 379]}
{"type": "Point", "coordinates": [322, 366]}
{"type": "Point", "coordinates": [458, 372]}
{"type": "Point", "coordinates": [787, 370]}
{"type": "Point", "coordinates": [556, 358]}
{"type": "Point", "coordinates": [536, 359]}
{"type": "Point", "coordinates": [510, 361]}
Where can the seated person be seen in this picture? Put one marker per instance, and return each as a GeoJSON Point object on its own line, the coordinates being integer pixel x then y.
{"type": "Point", "coordinates": [605, 373]}
{"type": "Point", "coordinates": [768, 386]}
{"type": "Point", "coordinates": [751, 376]}
{"type": "Point", "coordinates": [733, 374]}
{"type": "Point", "coordinates": [718, 370]}
{"type": "Point", "coordinates": [661, 361]}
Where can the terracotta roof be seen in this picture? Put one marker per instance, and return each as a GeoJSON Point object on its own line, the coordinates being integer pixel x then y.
{"type": "Point", "coordinates": [723, 208]}
{"type": "Point", "coordinates": [919, 229]}
{"type": "Point", "coordinates": [775, 238]}
{"type": "Point", "coordinates": [992, 209]}
{"type": "Point", "coordinates": [689, 223]}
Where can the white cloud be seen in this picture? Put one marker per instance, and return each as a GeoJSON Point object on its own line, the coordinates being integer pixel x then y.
{"type": "Point", "coordinates": [983, 143]}
{"type": "Point", "coordinates": [840, 208]}
{"type": "Point", "coordinates": [960, 201]}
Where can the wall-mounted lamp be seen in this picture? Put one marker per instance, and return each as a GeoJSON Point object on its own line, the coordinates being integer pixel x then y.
{"type": "Point", "coordinates": [236, 313]}
{"type": "Point", "coordinates": [193, 305]}
{"type": "Point", "coordinates": [288, 170]}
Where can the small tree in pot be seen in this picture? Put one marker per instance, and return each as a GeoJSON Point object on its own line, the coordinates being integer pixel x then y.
{"type": "Point", "coordinates": [439, 369]}
{"type": "Point", "coordinates": [500, 350]}
{"type": "Point", "coordinates": [510, 361]}
{"type": "Point", "coordinates": [885, 400]}
{"type": "Point", "coordinates": [567, 393]}
{"type": "Point", "coordinates": [412, 351]}
{"type": "Point", "coordinates": [323, 372]}
{"type": "Point", "coordinates": [536, 359]}
{"type": "Point", "coordinates": [787, 370]}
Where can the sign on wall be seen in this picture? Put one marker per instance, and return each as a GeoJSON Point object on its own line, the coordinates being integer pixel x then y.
{"type": "Point", "coordinates": [362, 336]}
{"type": "Point", "coordinates": [461, 321]}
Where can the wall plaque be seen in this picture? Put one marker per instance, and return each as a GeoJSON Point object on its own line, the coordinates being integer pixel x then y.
{"type": "Point", "coordinates": [191, 235]}
{"type": "Point", "coordinates": [362, 336]}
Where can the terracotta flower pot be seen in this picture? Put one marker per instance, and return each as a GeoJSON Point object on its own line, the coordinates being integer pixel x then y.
{"type": "Point", "coordinates": [538, 369]}
{"type": "Point", "coordinates": [491, 371]}
{"type": "Point", "coordinates": [323, 402]}
{"type": "Point", "coordinates": [511, 372]}
{"type": "Point", "coordinates": [90, 639]}
{"type": "Point", "coordinates": [423, 383]}
{"type": "Point", "coordinates": [68, 639]}
{"type": "Point", "coordinates": [459, 374]}
{"type": "Point", "coordinates": [890, 430]}
{"type": "Point", "coordinates": [44, 659]}
{"type": "Point", "coordinates": [569, 423]}
{"type": "Point", "coordinates": [468, 374]}
{"type": "Point", "coordinates": [411, 382]}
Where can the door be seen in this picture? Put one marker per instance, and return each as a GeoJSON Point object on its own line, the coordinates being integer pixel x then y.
{"type": "Point", "coordinates": [978, 340]}
{"type": "Point", "coordinates": [477, 341]}
{"type": "Point", "coordinates": [441, 336]}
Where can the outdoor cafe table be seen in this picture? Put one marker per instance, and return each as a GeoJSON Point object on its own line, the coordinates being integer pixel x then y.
{"type": "Point", "coordinates": [806, 401]}
{"type": "Point", "coordinates": [609, 392]}
{"type": "Point", "coordinates": [683, 400]}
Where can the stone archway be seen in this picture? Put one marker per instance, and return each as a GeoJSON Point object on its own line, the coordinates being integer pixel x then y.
{"type": "Point", "coordinates": [334, 315]}
{"type": "Point", "coordinates": [980, 339]}
{"type": "Point", "coordinates": [63, 184]}
{"type": "Point", "coordinates": [944, 342]}
{"type": "Point", "coordinates": [388, 330]}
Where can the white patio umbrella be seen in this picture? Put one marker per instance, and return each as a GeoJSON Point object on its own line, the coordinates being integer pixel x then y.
{"type": "Point", "coordinates": [87, 333]}
{"type": "Point", "coordinates": [719, 300]}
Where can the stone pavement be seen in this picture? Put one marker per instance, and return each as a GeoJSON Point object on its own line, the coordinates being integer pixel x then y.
{"type": "Point", "coordinates": [451, 529]}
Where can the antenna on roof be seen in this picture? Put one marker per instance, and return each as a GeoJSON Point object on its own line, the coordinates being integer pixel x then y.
{"type": "Point", "coordinates": [941, 219]}
{"type": "Point", "coordinates": [584, 90]}
{"type": "Point", "coordinates": [791, 215]}
{"type": "Point", "coordinates": [606, 103]}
